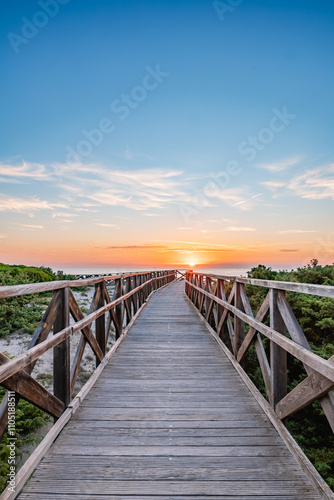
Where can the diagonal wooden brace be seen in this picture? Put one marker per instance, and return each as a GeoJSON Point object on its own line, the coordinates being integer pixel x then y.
{"type": "Point", "coordinates": [29, 389]}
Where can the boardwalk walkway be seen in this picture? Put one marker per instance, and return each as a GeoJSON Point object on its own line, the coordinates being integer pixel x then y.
{"type": "Point", "coordinates": [169, 418]}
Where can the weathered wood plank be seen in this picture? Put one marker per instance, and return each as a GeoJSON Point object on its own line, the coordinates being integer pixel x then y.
{"type": "Point", "coordinates": [296, 333]}
{"type": "Point", "coordinates": [35, 352]}
{"type": "Point", "coordinates": [319, 290]}
{"type": "Point", "coordinates": [163, 496]}
{"type": "Point", "coordinates": [315, 362]}
{"type": "Point", "coordinates": [171, 487]}
{"type": "Point", "coordinates": [40, 335]}
{"type": "Point", "coordinates": [49, 286]}
{"type": "Point", "coordinates": [162, 424]}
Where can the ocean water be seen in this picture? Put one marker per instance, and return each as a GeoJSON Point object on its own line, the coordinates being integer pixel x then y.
{"type": "Point", "coordinates": [89, 271]}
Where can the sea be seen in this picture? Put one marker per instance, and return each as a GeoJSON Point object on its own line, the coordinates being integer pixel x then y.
{"type": "Point", "coordinates": [101, 271]}
{"type": "Point", "coordinates": [93, 271]}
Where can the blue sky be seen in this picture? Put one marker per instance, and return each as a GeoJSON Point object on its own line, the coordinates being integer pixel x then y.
{"type": "Point", "coordinates": [201, 84]}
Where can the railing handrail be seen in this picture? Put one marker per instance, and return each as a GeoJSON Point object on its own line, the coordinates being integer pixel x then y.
{"type": "Point", "coordinates": [130, 294]}
{"type": "Point", "coordinates": [325, 367]}
{"type": "Point", "coordinates": [289, 286]}
{"type": "Point", "coordinates": [228, 313]}
{"type": "Point", "coordinates": [14, 365]}
{"type": "Point", "coordinates": [49, 286]}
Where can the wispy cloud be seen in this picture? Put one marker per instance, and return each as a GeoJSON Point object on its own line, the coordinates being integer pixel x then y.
{"type": "Point", "coordinates": [133, 247]}
{"type": "Point", "coordinates": [312, 184]}
{"type": "Point", "coordinates": [273, 184]}
{"type": "Point", "coordinates": [89, 186]}
{"type": "Point", "coordinates": [281, 165]}
{"type": "Point", "coordinates": [26, 205]}
{"type": "Point", "coordinates": [23, 172]}
{"type": "Point", "coordinates": [315, 184]}
{"type": "Point", "coordinates": [103, 224]}
{"type": "Point", "coordinates": [30, 226]}
{"type": "Point", "coordinates": [183, 247]}
{"type": "Point", "coordinates": [64, 215]}
{"type": "Point", "coordinates": [196, 245]}
{"type": "Point", "coordinates": [138, 189]}
{"type": "Point", "coordinates": [240, 229]}
{"type": "Point", "coordinates": [295, 231]}
{"type": "Point", "coordinates": [289, 250]}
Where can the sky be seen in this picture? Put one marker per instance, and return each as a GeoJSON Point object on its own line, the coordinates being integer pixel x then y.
{"type": "Point", "coordinates": [166, 133]}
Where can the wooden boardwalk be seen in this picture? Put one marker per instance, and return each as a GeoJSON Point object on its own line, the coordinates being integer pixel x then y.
{"type": "Point", "coordinates": [169, 418]}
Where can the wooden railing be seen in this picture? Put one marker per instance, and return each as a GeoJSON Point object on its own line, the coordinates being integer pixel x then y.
{"type": "Point", "coordinates": [130, 294]}
{"type": "Point", "coordinates": [228, 317]}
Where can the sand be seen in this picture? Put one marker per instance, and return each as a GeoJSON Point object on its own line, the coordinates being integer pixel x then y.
{"type": "Point", "coordinates": [18, 342]}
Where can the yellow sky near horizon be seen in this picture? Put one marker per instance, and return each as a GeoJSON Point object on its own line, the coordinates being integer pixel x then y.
{"type": "Point", "coordinates": [157, 220]}
{"type": "Point", "coordinates": [86, 250]}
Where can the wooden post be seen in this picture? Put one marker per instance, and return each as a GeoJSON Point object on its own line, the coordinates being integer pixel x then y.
{"type": "Point", "coordinates": [100, 325]}
{"type": "Point", "coordinates": [239, 327]}
{"type": "Point", "coordinates": [61, 353]}
{"type": "Point", "coordinates": [186, 288]}
{"type": "Point", "coordinates": [192, 291]}
{"type": "Point", "coordinates": [220, 309]}
{"type": "Point", "coordinates": [128, 288]}
{"type": "Point", "coordinates": [147, 287]}
{"type": "Point", "coordinates": [118, 309]}
{"type": "Point", "coordinates": [278, 356]}
{"type": "Point", "coordinates": [135, 295]}
{"type": "Point", "coordinates": [208, 288]}
{"type": "Point", "coordinates": [201, 296]}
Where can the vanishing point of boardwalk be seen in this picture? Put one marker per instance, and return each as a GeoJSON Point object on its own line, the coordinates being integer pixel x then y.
{"type": "Point", "coordinates": [169, 418]}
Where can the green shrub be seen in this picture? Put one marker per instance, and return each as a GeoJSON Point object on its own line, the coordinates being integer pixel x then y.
{"type": "Point", "coordinates": [28, 418]}
{"type": "Point", "coordinates": [315, 315]}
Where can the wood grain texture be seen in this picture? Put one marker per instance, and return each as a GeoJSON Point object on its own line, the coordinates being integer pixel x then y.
{"type": "Point", "coordinates": [169, 418]}
{"type": "Point", "coordinates": [17, 290]}
{"type": "Point", "coordinates": [296, 333]}
{"type": "Point", "coordinates": [319, 290]}
{"type": "Point", "coordinates": [35, 352]}
{"type": "Point", "coordinates": [309, 358]}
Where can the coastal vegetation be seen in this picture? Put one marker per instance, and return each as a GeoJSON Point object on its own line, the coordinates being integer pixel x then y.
{"type": "Point", "coordinates": [315, 315]}
{"type": "Point", "coordinates": [23, 314]}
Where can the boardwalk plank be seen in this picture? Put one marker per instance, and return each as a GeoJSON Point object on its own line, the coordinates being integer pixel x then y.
{"type": "Point", "coordinates": [169, 418]}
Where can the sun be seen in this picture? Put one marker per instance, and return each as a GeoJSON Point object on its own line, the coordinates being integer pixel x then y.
{"type": "Point", "coordinates": [192, 264]}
